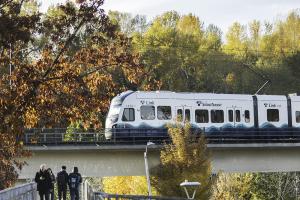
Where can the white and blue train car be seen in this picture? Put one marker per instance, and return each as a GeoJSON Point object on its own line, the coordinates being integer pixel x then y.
{"type": "Point", "coordinates": [207, 111]}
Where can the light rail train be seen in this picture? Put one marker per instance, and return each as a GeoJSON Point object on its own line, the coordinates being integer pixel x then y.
{"type": "Point", "coordinates": [152, 110]}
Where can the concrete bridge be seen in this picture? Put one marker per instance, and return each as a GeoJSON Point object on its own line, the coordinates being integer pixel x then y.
{"type": "Point", "coordinates": [127, 159]}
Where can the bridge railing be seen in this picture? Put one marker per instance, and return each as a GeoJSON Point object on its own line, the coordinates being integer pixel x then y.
{"type": "Point", "coordinates": [88, 191]}
{"type": "Point", "coordinates": [22, 192]}
{"type": "Point", "coordinates": [142, 136]}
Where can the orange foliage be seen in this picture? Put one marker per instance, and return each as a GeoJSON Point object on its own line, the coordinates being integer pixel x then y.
{"type": "Point", "coordinates": [60, 82]}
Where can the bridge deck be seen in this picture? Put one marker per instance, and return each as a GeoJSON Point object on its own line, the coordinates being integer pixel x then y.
{"type": "Point", "coordinates": [97, 157]}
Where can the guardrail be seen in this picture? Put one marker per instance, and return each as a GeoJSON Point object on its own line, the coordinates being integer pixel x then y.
{"type": "Point", "coordinates": [88, 192]}
{"type": "Point", "coordinates": [158, 136]}
{"type": "Point", "coordinates": [21, 192]}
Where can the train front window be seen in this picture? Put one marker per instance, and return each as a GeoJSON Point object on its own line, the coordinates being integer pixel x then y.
{"type": "Point", "coordinates": [201, 116]}
{"type": "Point", "coordinates": [273, 115]}
{"type": "Point", "coordinates": [128, 114]}
{"type": "Point", "coordinates": [298, 116]}
{"type": "Point", "coordinates": [116, 101]}
{"type": "Point", "coordinates": [147, 112]}
{"type": "Point", "coordinates": [217, 116]}
{"type": "Point", "coordinates": [164, 112]}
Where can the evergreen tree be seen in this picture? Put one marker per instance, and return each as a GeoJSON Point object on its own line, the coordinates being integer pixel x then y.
{"type": "Point", "coordinates": [186, 158]}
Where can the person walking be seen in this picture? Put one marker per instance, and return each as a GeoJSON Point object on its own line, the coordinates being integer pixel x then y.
{"type": "Point", "coordinates": [52, 177]}
{"type": "Point", "coordinates": [75, 180]}
{"type": "Point", "coordinates": [43, 180]}
{"type": "Point", "coordinates": [62, 179]}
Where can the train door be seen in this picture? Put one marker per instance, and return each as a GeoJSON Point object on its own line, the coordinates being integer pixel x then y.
{"type": "Point", "coordinates": [183, 113]}
{"type": "Point", "coordinates": [234, 115]}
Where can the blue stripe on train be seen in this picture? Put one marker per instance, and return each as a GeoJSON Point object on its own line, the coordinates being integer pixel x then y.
{"type": "Point", "coordinates": [145, 130]}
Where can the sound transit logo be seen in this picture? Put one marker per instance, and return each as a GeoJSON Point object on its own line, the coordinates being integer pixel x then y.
{"type": "Point", "coordinates": [201, 103]}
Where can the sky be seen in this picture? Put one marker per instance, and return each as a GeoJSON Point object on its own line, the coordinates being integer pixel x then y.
{"type": "Point", "coordinates": [218, 12]}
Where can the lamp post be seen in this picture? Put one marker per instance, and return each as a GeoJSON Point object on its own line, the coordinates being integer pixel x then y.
{"type": "Point", "coordinates": [147, 168]}
{"type": "Point", "coordinates": [192, 185]}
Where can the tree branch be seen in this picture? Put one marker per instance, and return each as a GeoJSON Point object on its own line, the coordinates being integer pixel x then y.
{"type": "Point", "coordinates": [87, 73]}
{"type": "Point", "coordinates": [67, 43]}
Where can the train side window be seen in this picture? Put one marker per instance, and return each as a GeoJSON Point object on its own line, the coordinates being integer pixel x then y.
{"type": "Point", "coordinates": [179, 115]}
{"type": "Point", "coordinates": [128, 115]}
{"type": "Point", "coordinates": [273, 115]}
{"type": "Point", "coordinates": [147, 112]}
{"type": "Point", "coordinates": [164, 112]}
{"type": "Point", "coordinates": [237, 115]}
{"type": "Point", "coordinates": [247, 116]}
{"type": "Point", "coordinates": [298, 116]}
{"type": "Point", "coordinates": [201, 116]}
{"type": "Point", "coordinates": [217, 116]}
{"type": "Point", "coordinates": [187, 114]}
{"type": "Point", "coordinates": [230, 115]}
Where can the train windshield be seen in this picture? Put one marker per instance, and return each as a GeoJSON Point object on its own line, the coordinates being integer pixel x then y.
{"type": "Point", "coordinates": [114, 110]}
{"type": "Point", "coordinates": [116, 102]}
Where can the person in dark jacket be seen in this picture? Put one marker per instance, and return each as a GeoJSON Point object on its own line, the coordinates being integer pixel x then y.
{"type": "Point", "coordinates": [51, 191]}
{"type": "Point", "coordinates": [43, 180]}
{"type": "Point", "coordinates": [75, 180]}
{"type": "Point", "coordinates": [62, 179]}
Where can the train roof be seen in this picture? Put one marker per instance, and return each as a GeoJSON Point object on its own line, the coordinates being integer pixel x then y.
{"type": "Point", "coordinates": [271, 97]}
{"type": "Point", "coordinates": [195, 96]}
{"type": "Point", "coordinates": [189, 95]}
{"type": "Point", "coordinates": [295, 97]}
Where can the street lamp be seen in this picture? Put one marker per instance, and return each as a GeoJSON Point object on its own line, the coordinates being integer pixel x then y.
{"type": "Point", "coordinates": [147, 167]}
{"type": "Point", "coordinates": [192, 185]}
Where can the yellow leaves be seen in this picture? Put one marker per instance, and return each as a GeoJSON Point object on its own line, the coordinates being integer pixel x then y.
{"type": "Point", "coordinates": [232, 186]}
{"type": "Point", "coordinates": [129, 185]}
{"type": "Point", "coordinates": [31, 117]}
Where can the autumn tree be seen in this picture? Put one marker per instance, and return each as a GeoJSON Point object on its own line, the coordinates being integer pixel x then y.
{"type": "Point", "coordinates": [276, 185]}
{"type": "Point", "coordinates": [57, 81]}
{"type": "Point", "coordinates": [186, 158]}
{"type": "Point", "coordinates": [129, 185]}
{"type": "Point", "coordinates": [252, 186]}
{"type": "Point", "coordinates": [232, 186]}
